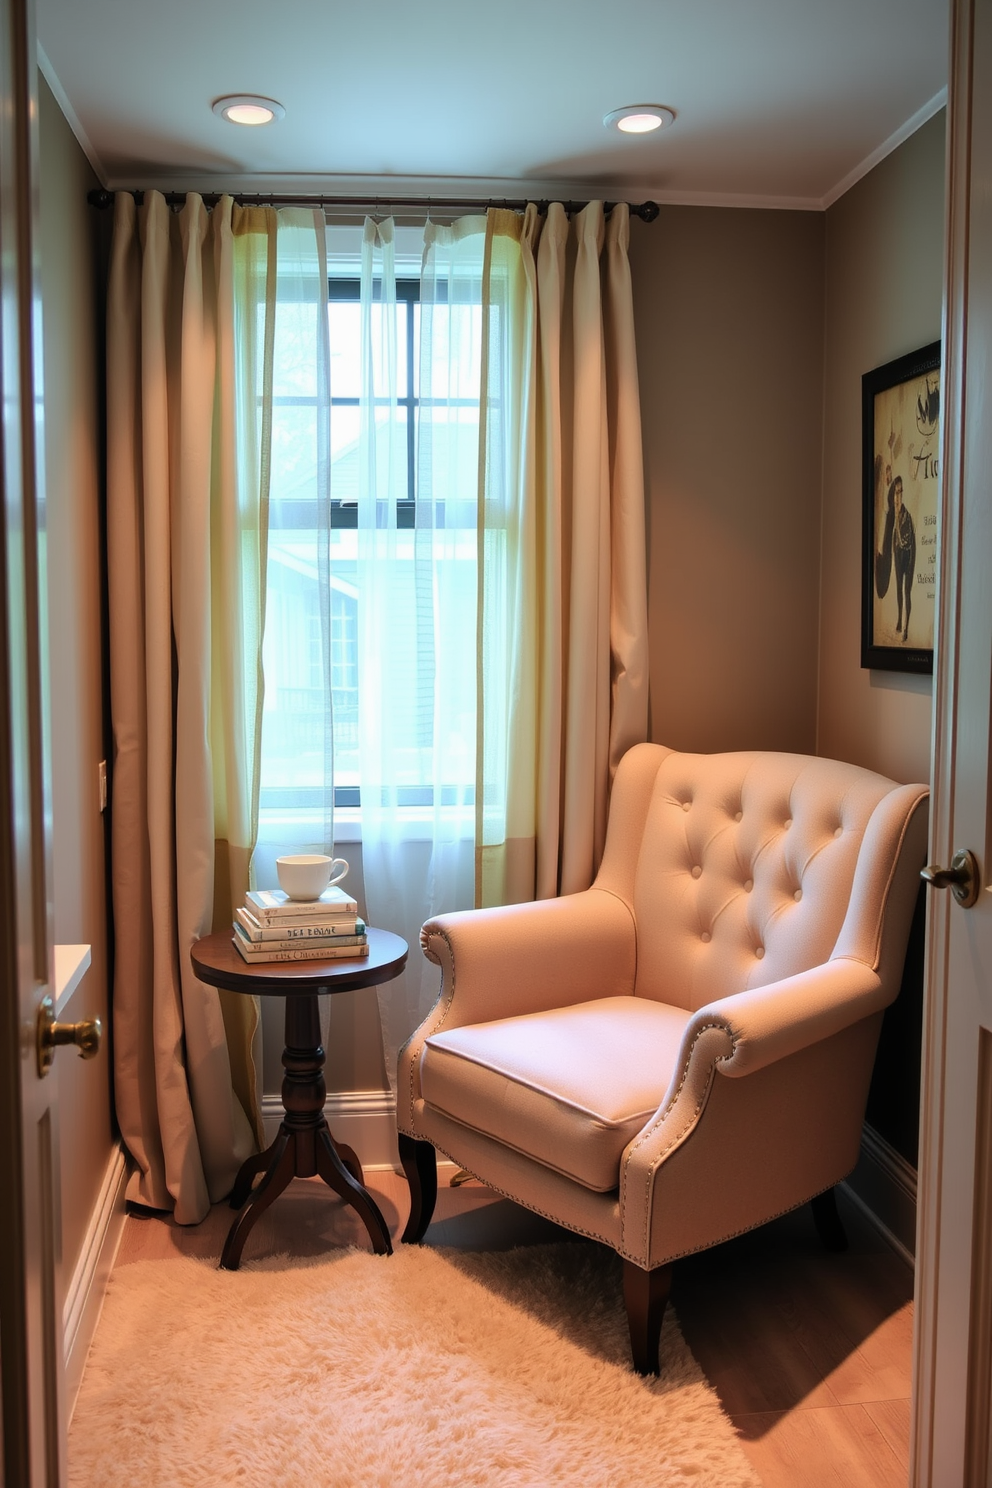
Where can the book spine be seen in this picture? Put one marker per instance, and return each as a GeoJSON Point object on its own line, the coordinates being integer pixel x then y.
{"type": "Point", "coordinates": [317, 916]}
{"type": "Point", "coordinates": [324, 944]}
{"type": "Point", "coordinates": [348, 925]}
{"type": "Point", "coordinates": [300, 909]}
{"type": "Point", "coordinates": [322, 953]}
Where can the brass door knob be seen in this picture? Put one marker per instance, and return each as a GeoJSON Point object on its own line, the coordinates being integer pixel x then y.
{"type": "Point", "coordinates": [961, 878]}
{"type": "Point", "coordinates": [85, 1035]}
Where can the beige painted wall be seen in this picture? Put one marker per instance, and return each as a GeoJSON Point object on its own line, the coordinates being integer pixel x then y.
{"type": "Point", "coordinates": [883, 291]}
{"type": "Point", "coordinates": [729, 324]}
{"type": "Point", "coordinates": [69, 295]}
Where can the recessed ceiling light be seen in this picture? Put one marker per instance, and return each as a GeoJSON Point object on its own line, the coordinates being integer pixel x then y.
{"type": "Point", "coordinates": [248, 108]}
{"type": "Point", "coordinates": [640, 118]}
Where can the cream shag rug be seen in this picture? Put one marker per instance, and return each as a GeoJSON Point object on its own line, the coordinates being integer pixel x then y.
{"type": "Point", "coordinates": [426, 1369]}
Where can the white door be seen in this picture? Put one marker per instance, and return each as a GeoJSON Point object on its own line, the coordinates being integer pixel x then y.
{"type": "Point", "coordinates": [33, 1432]}
{"type": "Point", "coordinates": [953, 1366]}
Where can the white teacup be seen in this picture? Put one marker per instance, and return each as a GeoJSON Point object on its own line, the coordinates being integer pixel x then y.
{"type": "Point", "coordinates": [307, 875]}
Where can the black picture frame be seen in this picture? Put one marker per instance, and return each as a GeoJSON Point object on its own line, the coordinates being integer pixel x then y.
{"type": "Point", "coordinates": [900, 427]}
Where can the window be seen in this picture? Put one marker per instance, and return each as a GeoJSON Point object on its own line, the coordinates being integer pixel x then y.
{"type": "Point", "coordinates": [295, 753]}
{"type": "Point", "coordinates": [344, 321]}
{"type": "Point", "coordinates": [296, 750]}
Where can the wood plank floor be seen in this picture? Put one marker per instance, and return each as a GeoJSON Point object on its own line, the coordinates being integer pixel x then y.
{"type": "Point", "coordinates": [809, 1351]}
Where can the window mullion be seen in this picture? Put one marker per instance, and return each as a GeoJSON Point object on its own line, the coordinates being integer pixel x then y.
{"type": "Point", "coordinates": [411, 446]}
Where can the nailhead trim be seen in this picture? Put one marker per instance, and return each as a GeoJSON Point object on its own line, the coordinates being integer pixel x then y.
{"type": "Point", "coordinates": [516, 1199]}
{"type": "Point", "coordinates": [659, 1119]}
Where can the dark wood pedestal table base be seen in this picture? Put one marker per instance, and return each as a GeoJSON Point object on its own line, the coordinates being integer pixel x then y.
{"type": "Point", "coordinates": [304, 1147]}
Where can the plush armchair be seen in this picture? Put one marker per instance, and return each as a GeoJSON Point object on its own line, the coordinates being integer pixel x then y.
{"type": "Point", "coordinates": [683, 1051]}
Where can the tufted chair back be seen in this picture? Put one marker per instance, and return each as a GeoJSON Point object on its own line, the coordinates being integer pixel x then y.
{"type": "Point", "coordinates": [739, 868]}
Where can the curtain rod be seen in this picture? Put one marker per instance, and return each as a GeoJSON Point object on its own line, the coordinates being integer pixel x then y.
{"type": "Point", "coordinates": [647, 211]}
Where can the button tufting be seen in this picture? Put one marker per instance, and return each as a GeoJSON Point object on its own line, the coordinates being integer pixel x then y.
{"type": "Point", "coordinates": [759, 951]}
{"type": "Point", "coordinates": [738, 816]}
{"type": "Point", "coordinates": [839, 832]}
{"type": "Point", "coordinates": [787, 824]}
{"type": "Point", "coordinates": [696, 871]}
{"type": "Point", "coordinates": [706, 937]}
{"type": "Point", "coordinates": [686, 805]}
{"type": "Point", "coordinates": [748, 885]}
{"type": "Point", "coordinates": [798, 895]}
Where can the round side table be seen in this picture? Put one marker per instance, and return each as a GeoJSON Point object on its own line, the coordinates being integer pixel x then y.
{"type": "Point", "coordinates": [304, 1147]}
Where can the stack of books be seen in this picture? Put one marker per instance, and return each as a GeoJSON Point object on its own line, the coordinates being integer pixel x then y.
{"type": "Point", "coordinates": [270, 926]}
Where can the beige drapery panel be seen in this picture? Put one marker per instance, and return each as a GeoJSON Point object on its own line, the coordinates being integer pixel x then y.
{"type": "Point", "coordinates": [563, 664]}
{"type": "Point", "coordinates": [190, 310]}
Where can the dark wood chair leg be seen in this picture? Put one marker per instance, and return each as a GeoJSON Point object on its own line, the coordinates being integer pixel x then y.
{"type": "Point", "coordinates": [829, 1225]}
{"type": "Point", "coordinates": [420, 1166]}
{"type": "Point", "coordinates": [645, 1295]}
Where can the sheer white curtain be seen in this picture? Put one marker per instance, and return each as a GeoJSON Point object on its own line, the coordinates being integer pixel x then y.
{"type": "Point", "coordinates": [296, 758]}
{"type": "Point", "coordinates": [417, 588]}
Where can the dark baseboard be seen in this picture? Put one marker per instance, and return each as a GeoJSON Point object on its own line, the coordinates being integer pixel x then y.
{"type": "Point", "coordinates": [883, 1186]}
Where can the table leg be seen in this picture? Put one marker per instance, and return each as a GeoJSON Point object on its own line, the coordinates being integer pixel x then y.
{"type": "Point", "coordinates": [248, 1172]}
{"type": "Point", "coordinates": [349, 1157]}
{"type": "Point", "coordinates": [304, 1147]}
{"type": "Point", "coordinates": [336, 1176]}
{"type": "Point", "coordinates": [278, 1177]}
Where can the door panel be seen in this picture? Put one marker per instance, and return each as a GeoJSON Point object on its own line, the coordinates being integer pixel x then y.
{"type": "Point", "coordinates": [30, 1309]}
{"type": "Point", "coordinates": [954, 1266]}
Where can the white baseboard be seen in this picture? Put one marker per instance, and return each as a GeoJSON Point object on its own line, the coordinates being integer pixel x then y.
{"type": "Point", "coordinates": [363, 1119]}
{"type": "Point", "coordinates": [84, 1294]}
{"type": "Point", "coordinates": [883, 1186]}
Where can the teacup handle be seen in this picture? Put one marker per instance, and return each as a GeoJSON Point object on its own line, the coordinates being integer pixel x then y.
{"type": "Point", "coordinates": [339, 870]}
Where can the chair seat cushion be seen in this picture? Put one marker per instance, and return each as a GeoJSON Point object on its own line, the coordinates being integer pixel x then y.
{"type": "Point", "coordinates": [569, 1088]}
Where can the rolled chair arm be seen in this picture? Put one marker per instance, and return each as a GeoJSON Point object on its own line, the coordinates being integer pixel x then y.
{"type": "Point", "coordinates": [738, 1036]}
{"type": "Point", "coordinates": [521, 958]}
{"type": "Point", "coordinates": [528, 958]}
{"type": "Point", "coordinates": [772, 1022]}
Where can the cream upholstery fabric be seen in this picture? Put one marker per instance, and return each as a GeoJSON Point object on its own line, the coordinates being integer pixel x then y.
{"type": "Point", "coordinates": [745, 870]}
{"type": "Point", "coordinates": [754, 908]}
{"type": "Point", "coordinates": [570, 1087]}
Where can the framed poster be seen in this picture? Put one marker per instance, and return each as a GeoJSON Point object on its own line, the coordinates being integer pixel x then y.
{"type": "Point", "coordinates": [900, 423]}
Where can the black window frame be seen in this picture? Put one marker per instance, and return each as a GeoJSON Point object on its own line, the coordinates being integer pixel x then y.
{"type": "Point", "coordinates": [348, 291]}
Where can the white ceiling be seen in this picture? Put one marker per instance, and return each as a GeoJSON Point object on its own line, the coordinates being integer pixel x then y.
{"type": "Point", "coordinates": [778, 102]}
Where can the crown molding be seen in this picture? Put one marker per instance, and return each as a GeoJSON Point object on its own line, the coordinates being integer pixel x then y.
{"type": "Point", "coordinates": [397, 191]}
{"type": "Point", "coordinates": [922, 115]}
{"type": "Point", "coordinates": [743, 200]}
{"type": "Point", "coordinates": [71, 117]}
